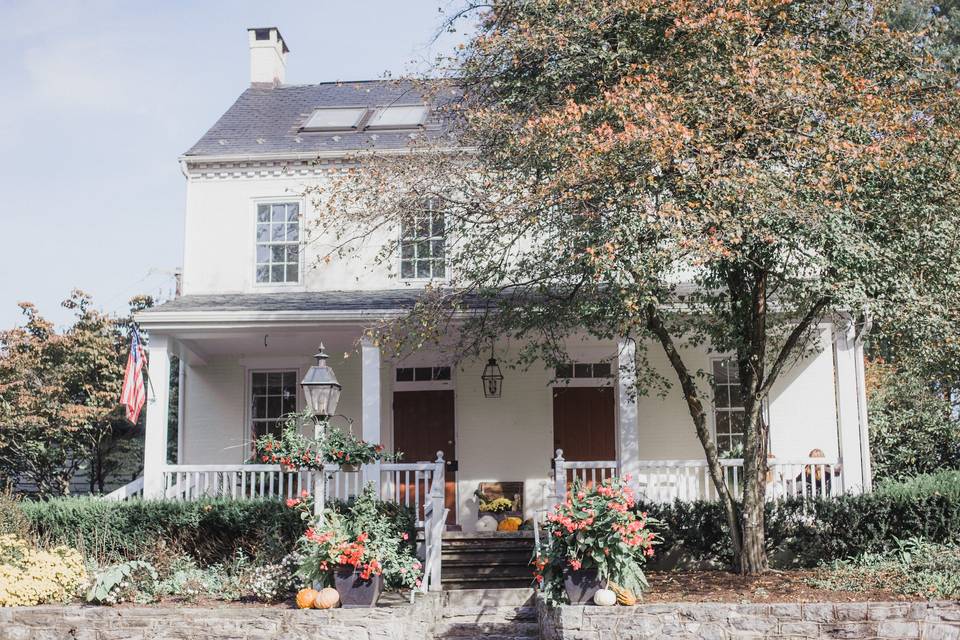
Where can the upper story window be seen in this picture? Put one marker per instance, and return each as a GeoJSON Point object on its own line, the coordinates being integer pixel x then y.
{"type": "Point", "coordinates": [423, 244]}
{"type": "Point", "coordinates": [728, 407]}
{"type": "Point", "coordinates": [278, 242]}
{"type": "Point", "coordinates": [572, 370]}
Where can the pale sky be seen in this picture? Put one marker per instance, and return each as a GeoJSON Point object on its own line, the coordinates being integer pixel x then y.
{"type": "Point", "coordinates": [98, 98]}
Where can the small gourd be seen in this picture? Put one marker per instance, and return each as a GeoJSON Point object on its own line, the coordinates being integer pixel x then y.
{"type": "Point", "coordinates": [509, 524]}
{"type": "Point", "coordinates": [604, 598]}
{"type": "Point", "coordinates": [305, 598]}
{"type": "Point", "coordinates": [625, 597]}
{"type": "Point", "coordinates": [486, 523]}
{"type": "Point", "coordinates": [327, 598]}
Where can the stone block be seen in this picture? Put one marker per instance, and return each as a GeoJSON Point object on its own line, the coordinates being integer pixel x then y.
{"type": "Point", "coordinates": [941, 631]}
{"type": "Point", "coordinates": [817, 612]}
{"type": "Point", "coordinates": [898, 629]}
{"type": "Point", "coordinates": [786, 611]}
{"type": "Point", "coordinates": [850, 611]}
{"type": "Point", "coordinates": [887, 611]}
{"type": "Point", "coordinates": [853, 630]}
{"type": "Point", "coordinates": [800, 629]}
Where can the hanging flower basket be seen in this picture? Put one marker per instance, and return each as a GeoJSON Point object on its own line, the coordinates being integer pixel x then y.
{"type": "Point", "coordinates": [349, 468]}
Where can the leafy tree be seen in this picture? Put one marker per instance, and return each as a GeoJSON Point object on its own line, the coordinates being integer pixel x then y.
{"type": "Point", "coordinates": [59, 395]}
{"type": "Point", "coordinates": [728, 174]}
{"type": "Point", "coordinates": [912, 428]}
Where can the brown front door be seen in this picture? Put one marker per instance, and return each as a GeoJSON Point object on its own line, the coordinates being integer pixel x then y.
{"type": "Point", "coordinates": [583, 423]}
{"type": "Point", "coordinates": [423, 423]}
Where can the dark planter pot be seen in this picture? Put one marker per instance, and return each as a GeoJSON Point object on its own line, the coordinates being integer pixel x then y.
{"type": "Point", "coordinates": [354, 591]}
{"type": "Point", "coordinates": [581, 585]}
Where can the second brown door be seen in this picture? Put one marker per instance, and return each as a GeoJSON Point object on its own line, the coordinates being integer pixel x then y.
{"type": "Point", "coordinates": [583, 423]}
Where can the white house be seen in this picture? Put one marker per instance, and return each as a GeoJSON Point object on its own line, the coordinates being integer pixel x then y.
{"type": "Point", "coordinates": [253, 311]}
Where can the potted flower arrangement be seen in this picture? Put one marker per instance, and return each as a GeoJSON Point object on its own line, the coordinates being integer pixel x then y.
{"type": "Point", "coordinates": [594, 539]}
{"type": "Point", "coordinates": [499, 508]}
{"type": "Point", "coordinates": [291, 449]}
{"type": "Point", "coordinates": [358, 551]}
{"type": "Point", "coordinates": [347, 450]}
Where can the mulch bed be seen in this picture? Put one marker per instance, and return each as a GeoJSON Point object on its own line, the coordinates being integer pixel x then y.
{"type": "Point", "coordinates": [776, 586]}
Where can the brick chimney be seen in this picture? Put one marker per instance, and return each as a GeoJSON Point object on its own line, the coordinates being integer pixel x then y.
{"type": "Point", "coordinates": [268, 56]}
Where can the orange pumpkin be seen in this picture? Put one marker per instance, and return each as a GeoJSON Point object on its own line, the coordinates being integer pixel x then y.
{"type": "Point", "coordinates": [306, 597]}
{"type": "Point", "coordinates": [328, 598]}
{"type": "Point", "coordinates": [509, 524]}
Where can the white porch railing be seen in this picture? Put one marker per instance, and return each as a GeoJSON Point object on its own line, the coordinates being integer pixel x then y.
{"type": "Point", "coordinates": [133, 489]}
{"type": "Point", "coordinates": [669, 480]}
{"type": "Point", "coordinates": [407, 483]}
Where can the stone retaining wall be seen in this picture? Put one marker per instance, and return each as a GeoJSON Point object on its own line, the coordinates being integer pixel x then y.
{"type": "Point", "coordinates": [401, 622]}
{"type": "Point", "coordinates": [708, 621]}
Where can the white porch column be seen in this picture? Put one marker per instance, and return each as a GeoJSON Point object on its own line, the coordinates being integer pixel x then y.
{"type": "Point", "coordinates": [628, 450]}
{"type": "Point", "coordinates": [158, 397]}
{"type": "Point", "coordinates": [852, 433]}
{"type": "Point", "coordinates": [370, 392]}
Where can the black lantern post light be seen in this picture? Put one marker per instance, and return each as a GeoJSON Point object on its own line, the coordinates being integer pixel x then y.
{"type": "Point", "coordinates": [492, 377]}
{"type": "Point", "coordinates": [322, 392]}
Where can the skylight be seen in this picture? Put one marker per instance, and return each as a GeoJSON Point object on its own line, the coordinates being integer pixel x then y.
{"type": "Point", "coordinates": [335, 119]}
{"type": "Point", "coordinates": [398, 117]}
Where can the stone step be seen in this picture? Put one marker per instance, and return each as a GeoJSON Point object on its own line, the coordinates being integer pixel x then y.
{"type": "Point", "coordinates": [483, 560]}
{"type": "Point", "coordinates": [491, 573]}
{"type": "Point", "coordinates": [489, 614]}
{"type": "Point", "coordinates": [472, 600]}
{"type": "Point", "coordinates": [486, 629]}
{"type": "Point", "coordinates": [484, 582]}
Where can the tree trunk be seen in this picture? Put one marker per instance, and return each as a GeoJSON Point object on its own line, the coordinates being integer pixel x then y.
{"type": "Point", "coordinates": [695, 407]}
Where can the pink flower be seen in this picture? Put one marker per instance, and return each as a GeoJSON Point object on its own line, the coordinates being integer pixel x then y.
{"type": "Point", "coordinates": [292, 502]}
{"type": "Point", "coordinates": [575, 564]}
{"type": "Point", "coordinates": [405, 536]}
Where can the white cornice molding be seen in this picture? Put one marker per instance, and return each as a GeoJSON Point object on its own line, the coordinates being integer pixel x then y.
{"type": "Point", "coordinates": [290, 165]}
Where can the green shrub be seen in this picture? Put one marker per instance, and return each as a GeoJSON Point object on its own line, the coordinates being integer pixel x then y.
{"type": "Point", "coordinates": [210, 531]}
{"type": "Point", "coordinates": [806, 532]}
{"type": "Point", "coordinates": [945, 483]}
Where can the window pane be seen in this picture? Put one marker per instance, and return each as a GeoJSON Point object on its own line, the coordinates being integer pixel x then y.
{"type": "Point", "coordinates": [422, 374]}
{"type": "Point", "coordinates": [259, 384]}
{"type": "Point", "coordinates": [289, 404]}
{"type": "Point", "coordinates": [276, 273]}
{"type": "Point", "coordinates": [721, 397]}
{"type": "Point", "coordinates": [406, 268]}
{"type": "Point", "coordinates": [422, 227]}
{"type": "Point", "coordinates": [274, 409]}
{"type": "Point", "coordinates": [293, 273]}
{"type": "Point", "coordinates": [423, 249]}
{"type": "Point", "coordinates": [438, 225]}
{"type": "Point", "coordinates": [278, 213]}
{"type": "Point", "coordinates": [277, 253]}
{"type": "Point", "coordinates": [277, 231]}
{"type": "Point", "coordinates": [564, 370]}
{"type": "Point", "coordinates": [263, 213]}
{"type": "Point", "coordinates": [405, 374]}
{"type": "Point", "coordinates": [582, 370]}
{"type": "Point", "coordinates": [441, 373]}
{"type": "Point", "coordinates": [734, 390]}
{"type": "Point", "coordinates": [260, 407]}
{"type": "Point", "coordinates": [423, 268]}
{"type": "Point", "coordinates": [293, 212]}
{"type": "Point", "coordinates": [407, 250]}
{"type": "Point", "coordinates": [263, 232]}
{"type": "Point", "coordinates": [723, 423]}
{"type": "Point", "coordinates": [736, 422]}
{"type": "Point", "coordinates": [436, 248]}
{"type": "Point", "coordinates": [439, 269]}
{"type": "Point", "coordinates": [274, 382]}
{"type": "Point", "coordinates": [293, 253]}
{"type": "Point", "coordinates": [293, 232]}
{"type": "Point", "coordinates": [263, 274]}
{"type": "Point", "coordinates": [721, 371]}
{"type": "Point", "coordinates": [601, 370]}
{"type": "Point", "coordinates": [263, 253]}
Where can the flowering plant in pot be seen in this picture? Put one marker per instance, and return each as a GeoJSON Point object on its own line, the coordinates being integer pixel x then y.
{"type": "Point", "coordinates": [592, 539]}
{"type": "Point", "coordinates": [359, 549]}
{"type": "Point", "coordinates": [347, 450]}
{"type": "Point", "coordinates": [290, 449]}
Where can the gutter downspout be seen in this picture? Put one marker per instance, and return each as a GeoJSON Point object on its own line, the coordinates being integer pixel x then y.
{"type": "Point", "coordinates": [859, 337]}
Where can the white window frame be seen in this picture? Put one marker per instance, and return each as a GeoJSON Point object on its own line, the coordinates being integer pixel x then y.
{"type": "Point", "coordinates": [414, 240]}
{"type": "Point", "coordinates": [422, 385]}
{"type": "Point", "coordinates": [301, 206]}
{"type": "Point", "coordinates": [250, 434]}
{"type": "Point", "coordinates": [713, 401]}
{"type": "Point", "coordinates": [604, 381]}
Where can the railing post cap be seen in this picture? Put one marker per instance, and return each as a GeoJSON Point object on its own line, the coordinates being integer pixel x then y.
{"type": "Point", "coordinates": [559, 454]}
{"type": "Point", "coordinates": [439, 456]}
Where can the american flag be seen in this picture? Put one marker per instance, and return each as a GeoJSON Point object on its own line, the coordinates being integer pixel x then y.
{"type": "Point", "coordinates": [134, 395]}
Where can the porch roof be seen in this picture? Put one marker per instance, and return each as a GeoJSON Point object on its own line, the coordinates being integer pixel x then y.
{"type": "Point", "coordinates": [382, 300]}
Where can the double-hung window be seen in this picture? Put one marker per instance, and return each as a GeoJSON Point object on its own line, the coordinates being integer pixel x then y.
{"type": "Point", "coordinates": [278, 242]}
{"type": "Point", "coordinates": [728, 407]}
{"type": "Point", "coordinates": [273, 395]}
{"type": "Point", "coordinates": [423, 244]}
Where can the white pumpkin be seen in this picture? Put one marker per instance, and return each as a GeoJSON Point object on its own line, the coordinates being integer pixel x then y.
{"type": "Point", "coordinates": [487, 523]}
{"type": "Point", "coordinates": [604, 598]}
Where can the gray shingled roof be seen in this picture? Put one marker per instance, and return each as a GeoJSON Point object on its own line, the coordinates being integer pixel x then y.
{"type": "Point", "coordinates": [267, 120]}
{"type": "Point", "coordinates": [310, 301]}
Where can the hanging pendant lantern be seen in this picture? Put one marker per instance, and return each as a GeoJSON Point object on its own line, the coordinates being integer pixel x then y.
{"type": "Point", "coordinates": [492, 378]}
